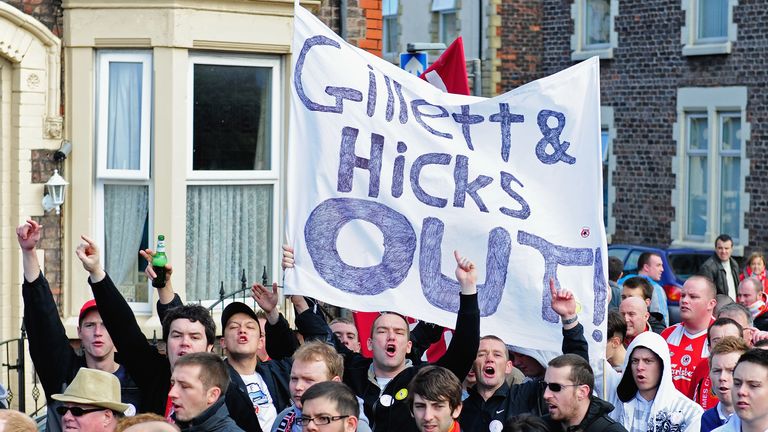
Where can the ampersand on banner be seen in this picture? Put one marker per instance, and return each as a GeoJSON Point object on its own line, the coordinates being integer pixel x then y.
{"type": "Point", "coordinates": [552, 137]}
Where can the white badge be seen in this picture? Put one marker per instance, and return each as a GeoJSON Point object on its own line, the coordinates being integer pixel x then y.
{"type": "Point", "coordinates": [386, 400]}
{"type": "Point", "coordinates": [495, 426]}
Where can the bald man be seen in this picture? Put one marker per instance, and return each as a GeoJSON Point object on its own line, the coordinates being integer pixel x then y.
{"type": "Point", "coordinates": [751, 295]}
{"type": "Point", "coordinates": [634, 310]}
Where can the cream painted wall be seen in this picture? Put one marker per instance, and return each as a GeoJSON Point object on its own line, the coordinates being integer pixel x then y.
{"type": "Point", "coordinates": [172, 30]}
{"type": "Point", "coordinates": [29, 106]}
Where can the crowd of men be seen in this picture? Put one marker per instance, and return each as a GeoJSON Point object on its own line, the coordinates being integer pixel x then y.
{"type": "Point", "coordinates": [707, 372]}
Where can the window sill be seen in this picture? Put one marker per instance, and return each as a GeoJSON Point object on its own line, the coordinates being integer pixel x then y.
{"type": "Point", "coordinates": [603, 54]}
{"type": "Point", "coordinates": [708, 49]}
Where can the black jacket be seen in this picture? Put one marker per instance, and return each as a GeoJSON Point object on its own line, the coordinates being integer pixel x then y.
{"type": "Point", "coordinates": [394, 415]}
{"type": "Point", "coordinates": [56, 362]}
{"type": "Point", "coordinates": [656, 322]}
{"type": "Point", "coordinates": [214, 419]}
{"type": "Point", "coordinates": [527, 397]}
{"type": "Point", "coordinates": [276, 374]}
{"type": "Point", "coordinates": [761, 322]}
{"type": "Point", "coordinates": [713, 269]}
{"type": "Point", "coordinates": [596, 420]}
{"type": "Point", "coordinates": [149, 368]}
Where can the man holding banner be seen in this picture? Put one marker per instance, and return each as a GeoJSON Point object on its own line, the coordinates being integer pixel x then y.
{"type": "Point", "coordinates": [491, 401]}
{"type": "Point", "coordinates": [382, 382]}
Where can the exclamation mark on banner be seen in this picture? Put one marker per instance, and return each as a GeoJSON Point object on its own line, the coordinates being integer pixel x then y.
{"type": "Point", "coordinates": [601, 290]}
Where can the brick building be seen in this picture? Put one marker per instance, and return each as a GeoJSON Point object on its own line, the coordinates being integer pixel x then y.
{"type": "Point", "coordinates": [682, 103]}
{"type": "Point", "coordinates": [143, 90]}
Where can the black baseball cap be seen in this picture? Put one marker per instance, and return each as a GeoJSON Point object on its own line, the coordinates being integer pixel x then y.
{"type": "Point", "coordinates": [235, 308]}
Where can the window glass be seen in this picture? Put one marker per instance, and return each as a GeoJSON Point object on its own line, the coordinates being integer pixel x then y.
{"type": "Point", "coordinates": [687, 264]}
{"type": "Point", "coordinates": [730, 173]}
{"type": "Point", "coordinates": [448, 31]}
{"type": "Point", "coordinates": [597, 19]}
{"type": "Point", "coordinates": [713, 19]}
{"type": "Point", "coordinates": [124, 116]}
{"type": "Point", "coordinates": [229, 228]}
{"type": "Point", "coordinates": [126, 217]}
{"type": "Point", "coordinates": [390, 35]}
{"type": "Point", "coordinates": [698, 179]}
{"type": "Point", "coordinates": [231, 118]}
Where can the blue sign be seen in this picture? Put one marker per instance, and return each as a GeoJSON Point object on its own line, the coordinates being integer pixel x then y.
{"type": "Point", "coordinates": [415, 63]}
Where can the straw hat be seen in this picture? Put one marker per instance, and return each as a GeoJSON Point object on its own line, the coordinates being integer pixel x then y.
{"type": "Point", "coordinates": [94, 387]}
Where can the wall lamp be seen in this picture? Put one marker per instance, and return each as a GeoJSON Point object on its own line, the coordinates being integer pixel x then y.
{"type": "Point", "coordinates": [56, 185]}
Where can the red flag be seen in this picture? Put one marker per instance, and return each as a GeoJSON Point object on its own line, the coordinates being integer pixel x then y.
{"type": "Point", "coordinates": [364, 323]}
{"type": "Point", "coordinates": [449, 71]}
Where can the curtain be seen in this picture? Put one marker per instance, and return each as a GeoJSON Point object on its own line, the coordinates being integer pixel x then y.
{"type": "Point", "coordinates": [229, 228]}
{"type": "Point", "coordinates": [125, 213]}
{"type": "Point", "coordinates": [124, 127]}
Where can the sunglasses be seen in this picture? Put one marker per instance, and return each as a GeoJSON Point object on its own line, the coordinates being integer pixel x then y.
{"type": "Point", "coordinates": [555, 387]}
{"type": "Point", "coordinates": [76, 411]}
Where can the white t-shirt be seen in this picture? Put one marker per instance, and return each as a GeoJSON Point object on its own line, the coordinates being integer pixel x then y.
{"type": "Point", "coordinates": [263, 404]}
{"type": "Point", "coordinates": [729, 279]}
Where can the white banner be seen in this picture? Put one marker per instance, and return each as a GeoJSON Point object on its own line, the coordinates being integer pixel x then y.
{"type": "Point", "coordinates": [387, 175]}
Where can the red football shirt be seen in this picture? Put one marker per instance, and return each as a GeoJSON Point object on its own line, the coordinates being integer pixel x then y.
{"type": "Point", "coordinates": [701, 386]}
{"type": "Point", "coordinates": [686, 350]}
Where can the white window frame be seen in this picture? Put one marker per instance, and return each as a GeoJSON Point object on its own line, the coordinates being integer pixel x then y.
{"type": "Point", "coordinates": [714, 102]}
{"type": "Point", "coordinates": [233, 176]}
{"type": "Point", "coordinates": [245, 177]}
{"type": "Point", "coordinates": [104, 58]}
{"type": "Point", "coordinates": [607, 122]}
{"type": "Point", "coordinates": [106, 176]}
{"type": "Point", "coordinates": [692, 45]}
{"type": "Point", "coordinates": [579, 50]}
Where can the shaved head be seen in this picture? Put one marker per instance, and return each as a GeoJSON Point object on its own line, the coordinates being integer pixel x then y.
{"type": "Point", "coordinates": [634, 310]}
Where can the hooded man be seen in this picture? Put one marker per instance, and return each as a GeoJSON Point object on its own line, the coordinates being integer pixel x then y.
{"type": "Point", "coordinates": [646, 400]}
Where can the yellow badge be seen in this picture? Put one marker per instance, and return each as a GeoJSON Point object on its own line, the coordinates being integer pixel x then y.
{"type": "Point", "coordinates": [401, 394]}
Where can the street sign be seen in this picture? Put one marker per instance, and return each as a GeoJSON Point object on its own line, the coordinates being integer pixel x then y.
{"type": "Point", "coordinates": [414, 63]}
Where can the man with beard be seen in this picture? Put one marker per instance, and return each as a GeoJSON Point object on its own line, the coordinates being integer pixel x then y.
{"type": "Point", "coordinates": [568, 383]}
{"type": "Point", "coordinates": [56, 362]}
{"type": "Point", "coordinates": [491, 402]}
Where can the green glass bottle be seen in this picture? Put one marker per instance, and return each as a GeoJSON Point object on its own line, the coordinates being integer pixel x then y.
{"type": "Point", "coordinates": [158, 263]}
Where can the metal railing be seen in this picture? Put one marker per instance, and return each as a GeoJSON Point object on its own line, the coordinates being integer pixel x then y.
{"type": "Point", "coordinates": [14, 372]}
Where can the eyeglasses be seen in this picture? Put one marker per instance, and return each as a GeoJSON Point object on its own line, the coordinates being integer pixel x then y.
{"type": "Point", "coordinates": [555, 387]}
{"type": "Point", "coordinates": [320, 420]}
{"type": "Point", "coordinates": [76, 411]}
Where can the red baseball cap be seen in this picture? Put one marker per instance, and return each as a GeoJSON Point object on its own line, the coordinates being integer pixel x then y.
{"type": "Point", "coordinates": [87, 307]}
